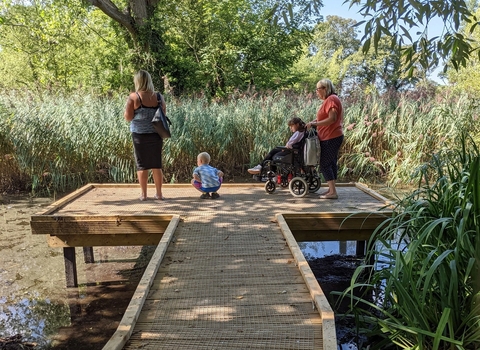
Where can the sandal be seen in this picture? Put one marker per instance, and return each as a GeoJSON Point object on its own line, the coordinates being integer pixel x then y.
{"type": "Point", "coordinates": [143, 199]}
{"type": "Point", "coordinates": [328, 196]}
{"type": "Point", "coordinates": [156, 197]}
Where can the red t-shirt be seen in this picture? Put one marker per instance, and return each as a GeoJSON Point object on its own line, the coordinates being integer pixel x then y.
{"type": "Point", "coordinates": [333, 130]}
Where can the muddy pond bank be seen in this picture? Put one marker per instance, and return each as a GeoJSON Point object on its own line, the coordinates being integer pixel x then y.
{"type": "Point", "coordinates": [35, 302]}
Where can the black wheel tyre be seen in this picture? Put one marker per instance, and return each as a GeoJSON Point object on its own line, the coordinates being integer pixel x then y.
{"type": "Point", "coordinates": [314, 184]}
{"type": "Point", "coordinates": [298, 187]}
{"type": "Point", "coordinates": [270, 187]}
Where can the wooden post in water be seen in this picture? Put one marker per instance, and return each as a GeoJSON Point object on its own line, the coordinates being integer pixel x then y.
{"type": "Point", "coordinates": [360, 252]}
{"type": "Point", "coordinates": [70, 266]}
{"type": "Point", "coordinates": [88, 255]}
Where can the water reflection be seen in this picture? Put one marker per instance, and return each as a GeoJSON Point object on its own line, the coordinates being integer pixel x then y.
{"type": "Point", "coordinates": [315, 250]}
{"type": "Point", "coordinates": [32, 317]}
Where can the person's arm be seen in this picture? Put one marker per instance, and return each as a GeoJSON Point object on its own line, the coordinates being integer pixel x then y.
{"type": "Point", "coordinates": [332, 118]}
{"type": "Point", "coordinates": [296, 137]}
{"type": "Point", "coordinates": [130, 108]}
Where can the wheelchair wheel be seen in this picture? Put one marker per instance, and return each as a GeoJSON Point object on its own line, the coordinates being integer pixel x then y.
{"type": "Point", "coordinates": [270, 186]}
{"type": "Point", "coordinates": [314, 184]}
{"type": "Point", "coordinates": [298, 187]}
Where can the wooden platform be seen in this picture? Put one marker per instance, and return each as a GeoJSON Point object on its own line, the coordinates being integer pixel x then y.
{"type": "Point", "coordinates": [227, 273]}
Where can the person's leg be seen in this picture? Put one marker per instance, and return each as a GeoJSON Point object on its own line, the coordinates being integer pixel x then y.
{"type": "Point", "coordinates": [270, 154]}
{"type": "Point", "coordinates": [197, 185]}
{"type": "Point", "coordinates": [214, 190]}
{"type": "Point", "coordinates": [142, 180]}
{"type": "Point", "coordinates": [158, 180]}
{"type": "Point", "coordinates": [328, 165]}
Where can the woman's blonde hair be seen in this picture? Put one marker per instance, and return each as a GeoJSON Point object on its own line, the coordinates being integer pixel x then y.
{"type": "Point", "coordinates": [204, 157]}
{"type": "Point", "coordinates": [143, 81]}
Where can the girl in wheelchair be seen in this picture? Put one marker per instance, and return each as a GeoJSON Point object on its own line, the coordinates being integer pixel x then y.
{"type": "Point", "coordinates": [297, 127]}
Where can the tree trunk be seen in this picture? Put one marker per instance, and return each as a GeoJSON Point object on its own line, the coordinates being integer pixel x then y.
{"type": "Point", "coordinates": [134, 19]}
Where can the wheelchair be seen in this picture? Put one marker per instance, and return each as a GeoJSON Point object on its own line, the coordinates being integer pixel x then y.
{"type": "Point", "coordinates": [288, 170]}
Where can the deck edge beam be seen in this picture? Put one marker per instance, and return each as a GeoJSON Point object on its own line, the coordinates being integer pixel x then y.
{"type": "Point", "coordinates": [130, 317]}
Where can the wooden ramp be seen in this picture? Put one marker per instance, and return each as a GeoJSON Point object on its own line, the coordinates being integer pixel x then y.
{"type": "Point", "coordinates": [227, 273]}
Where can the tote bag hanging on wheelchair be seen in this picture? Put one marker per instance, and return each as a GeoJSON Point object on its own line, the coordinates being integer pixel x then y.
{"type": "Point", "coordinates": [160, 121]}
{"type": "Point", "coordinates": [312, 148]}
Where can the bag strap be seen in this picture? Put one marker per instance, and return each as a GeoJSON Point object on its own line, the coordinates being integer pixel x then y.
{"type": "Point", "coordinates": [139, 98]}
{"type": "Point", "coordinates": [159, 99]}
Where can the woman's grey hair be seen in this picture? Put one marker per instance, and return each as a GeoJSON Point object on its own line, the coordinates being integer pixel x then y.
{"type": "Point", "coordinates": [143, 81]}
{"type": "Point", "coordinates": [329, 87]}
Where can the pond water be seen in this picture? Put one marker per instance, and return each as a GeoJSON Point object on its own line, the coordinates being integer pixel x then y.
{"type": "Point", "coordinates": [36, 304]}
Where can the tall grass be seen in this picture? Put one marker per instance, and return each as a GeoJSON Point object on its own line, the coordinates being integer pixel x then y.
{"type": "Point", "coordinates": [58, 143]}
{"type": "Point", "coordinates": [426, 285]}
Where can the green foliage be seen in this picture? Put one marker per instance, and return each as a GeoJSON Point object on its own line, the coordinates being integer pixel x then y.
{"type": "Point", "coordinates": [333, 52]}
{"type": "Point", "coordinates": [217, 48]}
{"type": "Point", "coordinates": [390, 135]}
{"type": "Point", "coordinates": [336, 53]}
{"type": "Point", "coordinates": [466, 79]}
{"type": "Point", "coordinates": [58, 45]}
{"type": "Point", "coordinates": [399, 21]}
{"type": "Point", "coordinates": [425, 279]}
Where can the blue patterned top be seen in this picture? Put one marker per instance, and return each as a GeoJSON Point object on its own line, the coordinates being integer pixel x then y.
{"type": "Point", "coordinates": [208, 175]}
{"type": "Point", "coordinates": [142, 119]}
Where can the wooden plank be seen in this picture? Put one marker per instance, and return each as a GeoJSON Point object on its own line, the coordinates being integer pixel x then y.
{"type": "Point", "coordinates": [335, 226]}
{"type": "Point", "coordinates": [129, 319]}
{"type": "Point", "coordinates": [114, 224]}
{"type": "Point", "coordinates": [363, 187]}
{"type": "Point", "coordinates": [106, 240]}
{"type": "Point", "coordinates": [321, 301]}
{"type": "Point", "coordinates": [65, 200]}
{"type": "Point", "coordinates": [316, 236]}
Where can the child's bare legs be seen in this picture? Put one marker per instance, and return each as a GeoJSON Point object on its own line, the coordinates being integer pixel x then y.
{"type": "Point", "coordinates": [158, 180]}
{"type": "Point", "coordinates": [142, 180]}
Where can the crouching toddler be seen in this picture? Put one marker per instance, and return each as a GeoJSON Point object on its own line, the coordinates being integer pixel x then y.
{"type": "Point", "coordinates": [206, 178]}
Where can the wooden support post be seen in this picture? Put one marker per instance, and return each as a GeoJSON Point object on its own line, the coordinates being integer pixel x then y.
{"type": "Point", "coordinates": [88, 255]}
{"type": "Point", "coordinates": [361, 248]}
{"type": "Point", "coordinates": [70, 267]}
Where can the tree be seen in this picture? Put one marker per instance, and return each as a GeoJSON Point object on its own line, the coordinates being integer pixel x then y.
{"type": "Point", "coordinates": [330, 53]}
{"type": "Point", "coordinates": [335, 53]}
{"type": "Point", "coordinates": [145, 23]}
{"type": "Point", "coordinates": [47, 44]}
{"type": "Point", "coordinates": [465, 79]}
{"type": "Point", "coordinates": [397, 20]}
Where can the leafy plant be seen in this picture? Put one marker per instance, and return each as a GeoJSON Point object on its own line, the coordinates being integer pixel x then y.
{"type": "Point", "coordinates": [422, 290]}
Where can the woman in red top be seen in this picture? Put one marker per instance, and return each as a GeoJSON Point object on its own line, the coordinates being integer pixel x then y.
{"type": "Point", "coordinates": [330, 132]}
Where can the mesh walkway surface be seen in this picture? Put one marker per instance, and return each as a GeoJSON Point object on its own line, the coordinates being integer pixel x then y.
{"type": "Point", "coordinates": [227, 279]}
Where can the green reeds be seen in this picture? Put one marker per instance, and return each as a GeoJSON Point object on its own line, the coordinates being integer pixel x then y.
{"type": "Point", "coordinates": [59, 143]}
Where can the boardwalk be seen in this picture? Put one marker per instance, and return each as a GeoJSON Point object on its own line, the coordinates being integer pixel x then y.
{"type": "Point", "coordinates": [223, 276]}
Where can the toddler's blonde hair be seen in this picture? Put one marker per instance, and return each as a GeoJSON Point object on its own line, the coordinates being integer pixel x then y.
{"type": "Point", "coordinates": [204, 157]}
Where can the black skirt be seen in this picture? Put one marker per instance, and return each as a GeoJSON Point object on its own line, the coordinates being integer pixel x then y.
{"type": "Point", "coordinates": [148, 150]}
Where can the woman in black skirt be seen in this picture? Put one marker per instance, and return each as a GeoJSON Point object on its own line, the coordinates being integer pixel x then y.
{"type": "Point", "coordinates": [139, 111]}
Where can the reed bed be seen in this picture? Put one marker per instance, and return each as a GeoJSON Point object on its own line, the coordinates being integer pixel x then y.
{"type": "Point", "coordinates": [58, 143]}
